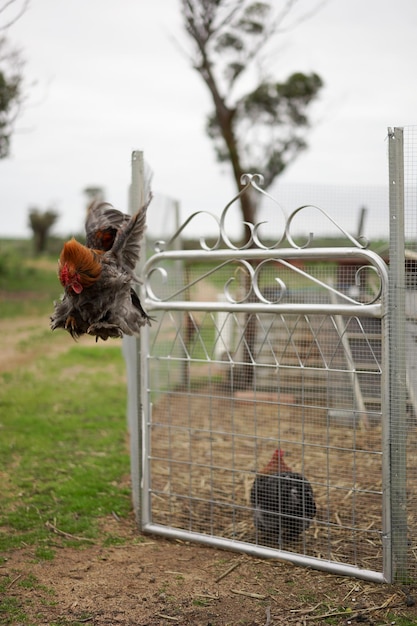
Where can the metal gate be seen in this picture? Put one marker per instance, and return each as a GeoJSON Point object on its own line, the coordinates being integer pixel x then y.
{"type": "Point", "coordinates": [273, 344]}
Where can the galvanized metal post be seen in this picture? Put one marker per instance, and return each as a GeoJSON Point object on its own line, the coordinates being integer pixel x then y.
{"type": "Point", "coordinates": [397, 360]}
{"type": "Point", "coordinates": [131, 350]}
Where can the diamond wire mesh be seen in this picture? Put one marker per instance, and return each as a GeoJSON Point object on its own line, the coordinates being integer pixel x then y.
{"type": "Point", "coordinates": [228, 388]}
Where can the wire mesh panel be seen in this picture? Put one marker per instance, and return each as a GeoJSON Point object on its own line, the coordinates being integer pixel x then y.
{"type": "Point", "coordinates": [264, 391]}
{"type": "Point", "coordinates": [409, 538]}
{"type": "Point", "coordinates": [402, 361]}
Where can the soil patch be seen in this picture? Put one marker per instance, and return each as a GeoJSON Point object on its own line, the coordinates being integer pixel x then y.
{"type": "Point", "coordinates": [150, 581]}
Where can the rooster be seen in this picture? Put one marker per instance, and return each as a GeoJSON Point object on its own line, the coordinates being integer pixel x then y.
{"type": "Point", "coordinates": [282, 500]}
{"type": "Point", "coordinates": [98, 278]}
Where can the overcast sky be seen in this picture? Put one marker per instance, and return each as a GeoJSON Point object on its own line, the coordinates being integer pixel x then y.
{"type": "Point", "coordinates": [110, 80]}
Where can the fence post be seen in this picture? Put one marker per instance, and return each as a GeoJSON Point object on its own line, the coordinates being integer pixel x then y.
{"type": "Point", "coordinates": [131, 351]}
{"type": "Point", "coordinates": [397, 360]}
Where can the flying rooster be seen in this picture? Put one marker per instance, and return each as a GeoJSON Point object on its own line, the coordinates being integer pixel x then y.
{"type": "Point", "coordinates": [98, 278]}
{"type": "Point", "coordinates": [282, 500]}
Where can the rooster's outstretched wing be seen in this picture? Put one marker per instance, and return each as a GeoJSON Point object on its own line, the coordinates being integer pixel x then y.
{"type": "Point", "coordinates": [102, 224]}
{"type": "Point", "coordinates": [127, 243]}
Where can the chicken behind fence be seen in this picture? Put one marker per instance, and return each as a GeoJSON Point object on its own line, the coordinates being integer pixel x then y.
{"type": "Point", "coordinates": [282, 500]}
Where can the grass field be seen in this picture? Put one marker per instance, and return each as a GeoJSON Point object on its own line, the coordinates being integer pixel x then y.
{"type": "Point", "coordinates": [27, 286]}
{"type": "Point", "coordinates": [63, 445]}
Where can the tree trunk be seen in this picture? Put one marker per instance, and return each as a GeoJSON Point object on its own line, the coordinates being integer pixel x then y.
{"type": "Point", "coordinates": [248, 204]}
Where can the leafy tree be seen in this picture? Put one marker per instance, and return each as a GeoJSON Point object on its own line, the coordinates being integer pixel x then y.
{"type": "Point", "coordinates": [257, 130]}
{"type": "Point", "coordinates": [41, 223]}
{"type": "Point", "coordinates": [10, 94]}
{"type": "Point", "coordinates": [11, 76]}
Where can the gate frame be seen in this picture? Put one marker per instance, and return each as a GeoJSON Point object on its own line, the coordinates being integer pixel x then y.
{"type": "Point", "coordinates": [375, 309]}
{"type": "Point", "coordinates": [391, 310]}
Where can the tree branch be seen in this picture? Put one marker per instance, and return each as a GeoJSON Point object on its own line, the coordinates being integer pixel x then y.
{"type": "Point", "coordinates": [17, 17]}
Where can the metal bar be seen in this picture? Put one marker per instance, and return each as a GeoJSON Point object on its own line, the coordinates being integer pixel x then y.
{"type": "Point", "coordinates": [396, 500]}
{"type": "Point", "coordinates": [370, 310]}
{"type": "Point", "coordinates": [249, 548]}
{"type": "Point", "coordinates": [144, 439]}
{"type": "Point", "coordinates": [316, 254]}
{"type": "Point", "coordinates": [155, 264]}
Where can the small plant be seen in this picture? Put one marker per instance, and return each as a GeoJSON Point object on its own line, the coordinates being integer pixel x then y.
{"type": "Point", "coordinates": [113, 541]}
{"type": "Point", "coordinates": [400, 621]}
{"type": "Point", "coordinates": [308, 598]}
{"type": "Point", "coordinates": [44, 553]}
{"type": "Point", "coordinates": [11, 612]}
{"type": "Point", "coordinates": [28, 582]}
{"type": "Point", "coordinates": [201, 602]}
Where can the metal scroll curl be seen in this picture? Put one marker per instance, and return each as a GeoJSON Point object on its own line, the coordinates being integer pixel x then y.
{"type": "Point", "coordinates": [234, 288]}
{"type": "Point", "coordinates": [252, 183]}
{"type": "Point", "coordinates": [161, 245]}
{"type": "Point", "coordinates": [243, 279]}
{"type": "Point", "coordinates": [361, 242]}
{"type": "Point", "coordinates": [283, 287]}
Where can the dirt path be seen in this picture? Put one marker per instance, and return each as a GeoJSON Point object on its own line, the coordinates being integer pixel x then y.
{"type": "Point", "coordinates": [24, 339]}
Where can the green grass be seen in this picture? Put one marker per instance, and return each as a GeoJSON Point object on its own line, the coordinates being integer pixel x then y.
{"type": "Point", "coordinates": [400, 621]}
{"type": "Point", "coordinates": [30, 285]}
{"type": "Point", "coordinates": [63, 447]}
{"type": "Point", "coordinates": [11, 611]}
{"type": "Point", "coordinates": [63, 452]}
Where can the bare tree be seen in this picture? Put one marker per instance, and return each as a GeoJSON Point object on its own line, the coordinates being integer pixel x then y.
{"type": "Point", "coordinates": [11, 11]}
{"type": "Point", "coordinates": [261, 130]}
{"type": "Point", "coordinates": [41, 223]}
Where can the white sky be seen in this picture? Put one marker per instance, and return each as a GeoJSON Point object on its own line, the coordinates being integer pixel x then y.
{"type": "Point", "coordinates": [109, 80]}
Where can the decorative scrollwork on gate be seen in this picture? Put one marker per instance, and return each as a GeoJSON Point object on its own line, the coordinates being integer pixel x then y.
{"type": "Point", "coordinates": [260, 272]}
{"type": "Point", "coordinates": [252, 184]}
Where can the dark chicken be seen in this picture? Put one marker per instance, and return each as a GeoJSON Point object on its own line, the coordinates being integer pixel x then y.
{"type": "Point", "coordinates": [282, 500]}
{"type": "Point", "coordinates": [98, 278]}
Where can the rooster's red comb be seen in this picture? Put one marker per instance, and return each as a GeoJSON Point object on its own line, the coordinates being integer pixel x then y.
{"type": "Point", "coordinates": [82, 260]}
